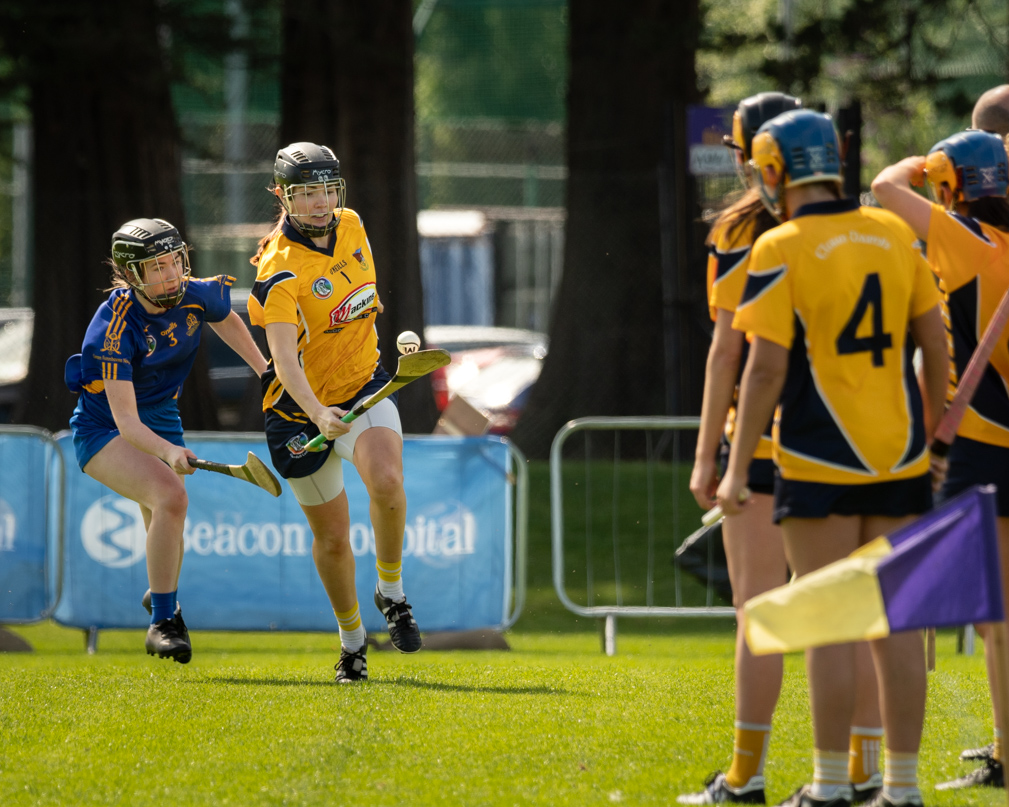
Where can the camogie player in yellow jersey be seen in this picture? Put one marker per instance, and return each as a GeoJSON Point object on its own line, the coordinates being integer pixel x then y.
{"type": "Point", "coordinates": [833, 299]}
{"type": "Point", "coordinates": [967, 238]}
{"type": "Point", "coordinates": [316, 297]}
{"type": "Point", "coordinates": [753, 543]}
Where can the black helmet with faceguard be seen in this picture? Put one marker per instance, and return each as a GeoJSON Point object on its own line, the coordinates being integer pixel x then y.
{"type": "Point", "coordinates": [305, 174]}
{"type": "Point", "coordinates": [136, 248]}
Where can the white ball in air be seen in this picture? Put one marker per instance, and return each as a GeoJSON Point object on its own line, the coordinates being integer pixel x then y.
{"type": "Point", "coordinates": [408, 342]}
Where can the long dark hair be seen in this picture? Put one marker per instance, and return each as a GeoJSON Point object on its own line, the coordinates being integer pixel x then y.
{"type": "Point", "coordinates": [740, 209]}
{"type": "Point", "coordinates": [993, 210]}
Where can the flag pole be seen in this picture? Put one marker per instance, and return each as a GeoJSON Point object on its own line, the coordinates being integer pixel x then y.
{"type": "Point", "coordinates": [1000, 646]}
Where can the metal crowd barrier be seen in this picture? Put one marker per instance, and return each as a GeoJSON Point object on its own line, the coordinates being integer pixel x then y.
{"type": "Point", "coordinates": [668, 518]}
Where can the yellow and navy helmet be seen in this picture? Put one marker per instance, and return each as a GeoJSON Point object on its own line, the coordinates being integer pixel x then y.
{"type": "Point", "coordinates": [972, 164]}
{"type": "Point", "coordinates": [750, 115]}
{"type": "Point", "coordinates": [802, 147]}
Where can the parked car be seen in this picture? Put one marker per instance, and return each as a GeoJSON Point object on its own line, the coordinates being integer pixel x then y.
{"type": "Point", "coordinates": [492, 368]}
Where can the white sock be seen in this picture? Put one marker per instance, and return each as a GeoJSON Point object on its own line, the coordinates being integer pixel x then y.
{"type": "Point", "coordinates": [353, 639]}
{"type": "Point", "coordinates": [392, 591]}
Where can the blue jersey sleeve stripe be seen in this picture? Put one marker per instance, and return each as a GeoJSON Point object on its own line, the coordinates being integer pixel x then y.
{"type": "Point", "coordinates": [261, 288]}
{"type": "Point", "coordinates": [759, 283]}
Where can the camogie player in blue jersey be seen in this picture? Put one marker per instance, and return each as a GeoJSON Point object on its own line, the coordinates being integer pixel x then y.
{"type": "Point", "coordinates": [137, 352]}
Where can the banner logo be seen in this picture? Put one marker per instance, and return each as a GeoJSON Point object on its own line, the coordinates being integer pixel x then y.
{"type": "Point", "coordinates": [8, 527]}
{"type": "Point", "coordinates": [440, 535]}
{"type": "Point", "coordinates": [113, 533]}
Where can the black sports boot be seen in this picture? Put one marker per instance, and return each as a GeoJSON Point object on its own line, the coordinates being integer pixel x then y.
{"type": "Point", "coordinates": [169, 638]}
{"type": "Point", "coordinates": [990, 774]}
{"type": "Point", "coordinates": [353, 665]}
{"type": "Point", "coordinates": [403, 629]}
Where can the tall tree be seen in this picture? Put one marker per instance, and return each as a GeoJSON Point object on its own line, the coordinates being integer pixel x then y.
{"type": "Point", "coordinates": [623, 301]}
{"type": "Point", "coordinates": [106, 149]}
{"type": "Point", "coordinates": [347, 81]}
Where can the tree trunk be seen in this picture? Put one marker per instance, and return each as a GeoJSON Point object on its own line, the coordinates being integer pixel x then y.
{"type": "Point", "coordinates": [360, 102]}
{"type": "Point", "coordinates": [106, 150]}
{"type": "Point", "coordinates": [632, 75]}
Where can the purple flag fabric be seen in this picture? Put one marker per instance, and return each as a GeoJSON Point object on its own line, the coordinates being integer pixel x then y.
{"type": "Point", "coordinates": [944, 569]}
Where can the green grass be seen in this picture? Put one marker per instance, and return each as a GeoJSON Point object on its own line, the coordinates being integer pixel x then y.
{"type": "Point", "coordinates": [254, 719]}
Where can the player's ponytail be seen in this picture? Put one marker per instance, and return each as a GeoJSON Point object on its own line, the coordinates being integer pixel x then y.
{"type": "Point", "coordinates": [993, 210]}
{"type": "Point", "coordinates": [738, 210]}
{"type": "Point", "coordinates": [266, 239]}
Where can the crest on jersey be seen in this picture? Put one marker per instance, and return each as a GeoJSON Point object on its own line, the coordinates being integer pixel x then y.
{"type": "Point", "coordinates": [151, 344]}
{"type": "Point", "coordinates": [322, 288]}
{"type": "Point", "coordinates": [192, 323]}
{"type": "Point", "coordinates": [357, 304]}
{"type": "Point", "coordinates": [360, 259]}
{"type": "Point", "coordinates": [111, 344]}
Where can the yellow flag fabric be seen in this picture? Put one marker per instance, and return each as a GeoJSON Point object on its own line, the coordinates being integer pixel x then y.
{"type": "Point", "coordinates": [839, 603]}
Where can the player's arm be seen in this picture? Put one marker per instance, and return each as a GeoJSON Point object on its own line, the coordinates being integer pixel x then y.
{"type": "Point", "coordinates": [892, 188]}
{"type": "Point", "coordinates": [759, 392]}
{"type": "Point", "coordinates": [929, 334]}
{"type": "Point", "coordinates": [282, 338]}
{"type": "Point", "coordinates": [123, 403]}
{"type": "Point", "coordinates": [719, 385]}
{"type": "Point", "coordinates": [236, 336]}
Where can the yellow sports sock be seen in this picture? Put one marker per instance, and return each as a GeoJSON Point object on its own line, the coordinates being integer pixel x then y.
{"type": "Point", "coordinates": [900, 775]}
{"type": "Point", "coordinates": [997, 753]}
{"type": "Point", "coordinates": [863, 753]}
{"type": "Point", "coordinates": [352, 633]}
{"type": "Point", "coordinates": [389, 572]}
{"type": "Point", "coordinates": [748, 753]}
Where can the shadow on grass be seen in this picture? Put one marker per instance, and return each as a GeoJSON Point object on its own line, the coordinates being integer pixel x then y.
{"type": "Point", "coordinates": [399, 681]}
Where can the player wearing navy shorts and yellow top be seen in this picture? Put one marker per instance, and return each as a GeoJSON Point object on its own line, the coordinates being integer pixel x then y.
{"type": "Point", "coordinates": [753, 543]}
{"type": "Point", "coordinates": [833, 298]}
{"type": "Point", "coordinates": [138, 351]}
{"type": "Point", "coordinates": [967, 238]}
{"type": "Point", "coordinates": [316, 297]}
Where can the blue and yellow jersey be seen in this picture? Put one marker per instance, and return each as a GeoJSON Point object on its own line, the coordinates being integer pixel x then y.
{"type": "Point", "coordinates": [728, 257]}
{"type": "Point", "coordinates": [330, 295]}
{"type": "Point", "coordinates": [154, 351]}
{"type": "Point", "coordinates": [837, 286]}
{"type": "Point", "coordinates": [971, 259]}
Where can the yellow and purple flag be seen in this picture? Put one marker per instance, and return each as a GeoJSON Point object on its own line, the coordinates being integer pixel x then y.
{"type": "Point", "coordinates": [938, 571]}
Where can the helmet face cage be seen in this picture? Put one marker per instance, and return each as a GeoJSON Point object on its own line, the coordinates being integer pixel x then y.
{"type": "Point", "coordinates": [299, 201]}
{"type": "Point", "coordinates": [307, 173]}
{"type": "Point", "coordinates": [750, 115]}
{"type": "Point", "coordinates": [972, 164]}
{"type": "Point", "coordinates": [139, 249]}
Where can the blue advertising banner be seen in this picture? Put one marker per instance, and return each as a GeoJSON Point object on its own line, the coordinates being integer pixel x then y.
{"type": "Point", "coordinates": [248, 556]}
{"type": "Point", "coordinates": [27, 524]}
{"type": "Point", "coordinates": [706, 126]}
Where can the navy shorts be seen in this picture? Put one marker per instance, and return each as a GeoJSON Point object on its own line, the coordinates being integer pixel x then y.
{"type": "Point", "coordinates": [759, 476]}
{"type": "Point", "coordinates": [975, 463]}
{"type": "Point", "coordinates": [91, 434]}
{"type": "Point", "coordinates": [892, 499]}
{"type": "Point", "coordinates": [289, 430]}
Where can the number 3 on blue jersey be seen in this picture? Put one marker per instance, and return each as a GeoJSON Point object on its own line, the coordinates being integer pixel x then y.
{"type": "Point", "coordinates": [878, 340]}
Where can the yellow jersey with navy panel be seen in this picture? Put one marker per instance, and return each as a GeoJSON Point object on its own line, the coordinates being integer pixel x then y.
{"type": "Point", "coordinates": [837, 285]}
{"type": "Point", "coordinates": [971, 259]}
{"type": "Point", "coordinates": [728, 258]}
{"type": "Point", "coordinates": [330, 295]}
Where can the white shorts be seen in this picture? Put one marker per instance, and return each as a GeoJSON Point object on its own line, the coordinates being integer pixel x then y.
{"type": "Point", "coordinates": [327, 483]}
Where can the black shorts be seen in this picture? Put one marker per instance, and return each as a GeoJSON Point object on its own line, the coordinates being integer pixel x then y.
{"type": "Point", "coordinates": [975, 463]}
{"type": "Point", "coordinates": [893, 499]}
{"type": "Point", "coordinates": [289, 430]}
{"type": "Point", "coordinates": [759, 476]}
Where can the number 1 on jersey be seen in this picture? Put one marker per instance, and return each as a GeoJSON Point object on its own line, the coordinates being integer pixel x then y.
{"type": "Point", "coordinates": [877, 341]}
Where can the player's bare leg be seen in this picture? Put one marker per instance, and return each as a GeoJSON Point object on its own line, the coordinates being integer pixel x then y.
{"type": "Point", "coordinates": [378, 457]}
{"type": "Point", "coordinates": [160, 492]}
{"type": "Point", "coordinates": [334, 559]}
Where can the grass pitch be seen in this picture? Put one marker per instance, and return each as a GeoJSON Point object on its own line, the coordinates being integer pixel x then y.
{"type": "Point", "coordinates": [255, 719]}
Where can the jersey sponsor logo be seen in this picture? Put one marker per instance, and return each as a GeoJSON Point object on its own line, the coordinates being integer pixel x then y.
{"type": "Point", "coordinates": [296, 445]}
{"type": "Point", "coordinates": [322, 288]}
{"type": "Point", "coordinates": [333, 330]}
{"type": "Point", "coordinates": [334, 269]}
{"type": "Point", "coordinates": [192, 323]}
{"type": "Point", "coordinates": [113, 532]}
{"type": "Point", "coordinates": [356, 305]}
{"type": "Point", "coordinates": [8, 527]}
{"type": "Point", "coordinates": [360, 259]}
